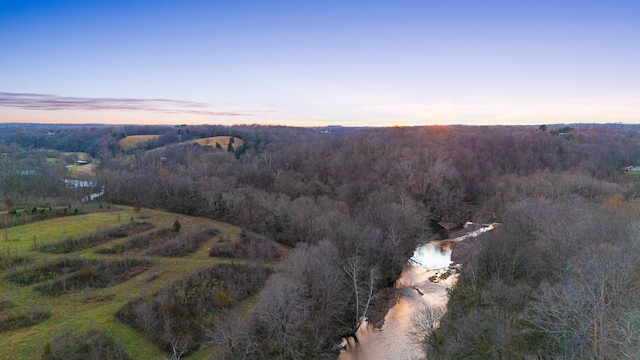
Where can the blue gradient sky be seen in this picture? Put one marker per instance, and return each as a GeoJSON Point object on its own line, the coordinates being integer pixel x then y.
{"type": "Point", "coordinates": [322, 62]}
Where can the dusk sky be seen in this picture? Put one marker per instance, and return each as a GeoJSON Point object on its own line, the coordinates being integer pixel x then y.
{"type": "Point", "coordinates": [307, 63]}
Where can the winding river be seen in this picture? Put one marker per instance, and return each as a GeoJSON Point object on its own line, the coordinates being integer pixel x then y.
{"type": "Point", "coordinates": [415, 289]}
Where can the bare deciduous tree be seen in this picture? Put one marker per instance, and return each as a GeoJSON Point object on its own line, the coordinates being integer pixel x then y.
{"type": "Point", "coordinates": [179, 347]}
{"type": "Point", "coordinates": [281, 313]}
{"type": "Point", "coordinates": [362, 282]}
{"type": "Point", "coordinates": [232, 338]}
{"type": "Point", "coordinates": [590, 313]}
{"type": "Point", "coordinates": [146, 315]}
{"type": "Point", "coordinates": [425, 321]}
{"type": "Point", "coordinates": [303, 308]}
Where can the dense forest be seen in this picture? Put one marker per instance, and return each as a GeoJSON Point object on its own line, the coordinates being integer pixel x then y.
{"type": "Point", "coordinates": [558, 279]}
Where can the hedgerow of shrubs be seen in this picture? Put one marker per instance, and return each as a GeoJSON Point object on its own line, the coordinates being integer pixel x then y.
{"type": "Point", "coordinates": [183, 245]}
{"type": "Point", "coordinates": [96, 274]}
{"type": "Point", "coordinates": [164, 242]}
{"type": "Point", "coordinates": [140, 242]}
{"type": "Point", "coordinates": [10, 322]}
{"type": "Point", "coordinates": [97, 238]}
{"type": "Point", "coordinates": [17, 217]}
{"type": "Point", "coordinates": [4, 305]}
{"type": "Point", "coordinates": [9, 260]}
{"type": "Point", "coordinates": [36, 274]}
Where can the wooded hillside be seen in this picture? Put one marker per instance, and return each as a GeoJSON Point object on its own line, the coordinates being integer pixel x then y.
{"type": "Point", "coordinates": [354, 203]}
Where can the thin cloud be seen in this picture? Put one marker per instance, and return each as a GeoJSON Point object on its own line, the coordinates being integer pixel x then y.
{"type": "Point", "coordinates": [47, 102]}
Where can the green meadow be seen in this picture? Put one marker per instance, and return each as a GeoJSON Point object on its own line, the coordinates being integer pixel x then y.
{"type": "Point", "coordinates": [222, 140]}
{"type": "Point", "coordinates": [131, 141]}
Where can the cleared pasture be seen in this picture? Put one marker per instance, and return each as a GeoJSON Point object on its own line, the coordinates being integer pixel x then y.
{"type": "Point", "coordinates": [222, 140]}
{"type": "Point", "coordinates": [131, 141]}
{"type": "Point", "coordinates": [83, 309]}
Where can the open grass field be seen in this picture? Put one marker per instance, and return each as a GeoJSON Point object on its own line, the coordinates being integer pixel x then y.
{"type": "Point", "coordinates": [80, 310]}
{"type": "Point", "coordinates": [209, 141]}
{"type": "Point", "coordinates": [222, 140]}
{"type": "Point", "coordinates": [76, 155]}
{"type": "Point", "coordinates": [129, 142]}
{"type": "Point", "coordinates": [74, 170]}
{"type": "Point", "coordinates": [88, 170]}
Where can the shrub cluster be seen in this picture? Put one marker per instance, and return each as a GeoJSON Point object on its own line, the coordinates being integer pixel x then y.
{"type": "Point", "coordinates": [248, 246]}
{"type": "Point", "coordinates": [92, 345]}
{"type": "Point", "coordinates": [180, 313]}
{"type": "Point", "coordinates": [97, 238]}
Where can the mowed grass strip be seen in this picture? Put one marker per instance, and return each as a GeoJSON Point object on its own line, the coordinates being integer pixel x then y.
{"type": "Point", "coordinates": [23, 238]}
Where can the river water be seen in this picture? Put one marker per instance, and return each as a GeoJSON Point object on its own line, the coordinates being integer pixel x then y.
{"type": "Point", "coordinates": [393, 340]}
{"type": "Point", "coordinates": [431, 256]}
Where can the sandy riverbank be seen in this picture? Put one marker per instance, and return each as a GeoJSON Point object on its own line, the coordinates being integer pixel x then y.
{"type": "Point", "coordinates": [423, 284]}
{"type": "Point", "coordinates": [393, 340]}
